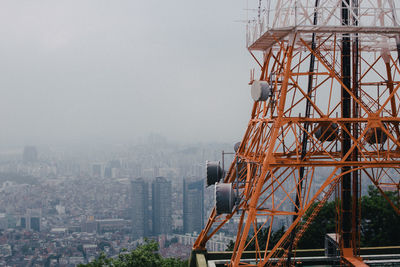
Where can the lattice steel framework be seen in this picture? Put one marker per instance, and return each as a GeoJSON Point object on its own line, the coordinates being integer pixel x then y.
{"type": "Point", "coordinates": [330, 122]}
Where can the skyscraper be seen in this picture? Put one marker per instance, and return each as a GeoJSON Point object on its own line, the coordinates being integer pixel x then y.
{"type": "Point", "coordinates": [161, 205]}
{"type": "Point", "coordinates": [33, 219]}
{"type": "Point", "coordinates": [96, 170]}
{"type": "Point", "coordinates": [30, 154]}
{"type": "Point", "coordinates": [193, 205]}
{"type": "Point", "coordinates": [140, 208]}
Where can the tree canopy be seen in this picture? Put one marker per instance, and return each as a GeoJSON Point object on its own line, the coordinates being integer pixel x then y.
{"type": "Point", "coordinates": [379, 224]}
{"type": "Point", "coordinates": [145, 255]}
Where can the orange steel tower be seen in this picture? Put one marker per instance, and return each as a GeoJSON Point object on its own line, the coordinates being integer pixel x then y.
{"type": "Point", "coordinates": [324, 119]}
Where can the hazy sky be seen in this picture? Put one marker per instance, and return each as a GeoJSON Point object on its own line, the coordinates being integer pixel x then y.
{"type": "Point", "coordinates": [87, 70]}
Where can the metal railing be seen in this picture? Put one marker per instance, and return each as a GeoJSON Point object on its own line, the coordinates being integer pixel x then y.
{"type": "Point", "coordinates": [281, 14]}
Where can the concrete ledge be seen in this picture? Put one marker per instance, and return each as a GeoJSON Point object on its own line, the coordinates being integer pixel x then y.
{"type": "Point", "coordinates": [304, 257]}
{"type": "Point", "coordinates": [198, 258]}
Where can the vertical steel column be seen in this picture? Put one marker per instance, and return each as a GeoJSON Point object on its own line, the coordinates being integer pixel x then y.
{"type": "Point", "coordinates": [305, 132]}
{"type": "Point", "coordinates": [355, 173]}
{"type": "Point", "coordinates": [346, 140]}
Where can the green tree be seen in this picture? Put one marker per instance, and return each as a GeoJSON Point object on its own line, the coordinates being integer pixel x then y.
{"type": "Point", "coordinates": [145, 255]}
{"type": "Point", "coordinates": [380, 223]}
{"type": "Point", "coordinates": [324, 223]}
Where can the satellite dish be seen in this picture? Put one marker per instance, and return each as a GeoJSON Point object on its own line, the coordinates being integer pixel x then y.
{"type": "Point", "coordinates": [225, 198]}
{"type": "Point", "coordinates": [236, 146]}
{"type": "Point", "coordinates": [375, 135]}
{"type": "Point", "coordinates": [260, 90]}
{"type": "Point", "coordinates": [327, 132]}
{"type": "Point", "coordinates": [214, 172]}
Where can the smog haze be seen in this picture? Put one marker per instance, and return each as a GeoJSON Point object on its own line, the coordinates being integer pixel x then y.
{"type": "Point", "coordinates": [112, 71]}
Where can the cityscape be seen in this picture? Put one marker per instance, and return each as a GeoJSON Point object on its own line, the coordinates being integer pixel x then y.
{"type": "Point", "coordinates": [65, 211]}
{"type": "Point", "coordinates": [199, 133]}
{"type": "Point", "coordinates": [69, 210]}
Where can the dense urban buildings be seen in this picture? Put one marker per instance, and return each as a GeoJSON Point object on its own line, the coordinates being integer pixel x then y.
{"type": "Point", "coordinates": [65, 206]}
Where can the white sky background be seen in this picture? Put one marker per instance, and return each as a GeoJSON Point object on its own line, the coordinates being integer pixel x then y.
{"type": "Point", "coordinates": [110, 71]}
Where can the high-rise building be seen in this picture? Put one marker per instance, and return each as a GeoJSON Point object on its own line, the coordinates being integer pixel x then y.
{"type": "Point", "coordinates": [107, 172]}
{"type": "Point", "coordinates": [161, 206]}
{"type": "Point", "coordinates": [89, 225]}
{"type": "Point", "coordinates": [23, 222]}
{"type": "Point", "coordinates": [140, 208]}
{"type": "Point", "coordinates": [193, 205]}
{"type": "Point", "coordinates": [30, 154]}
{"type": "Point", "coordinates": [33, 219]}
{"type": "Point", "coordinates": [97, 170]}
{"type": "Point", "coordinates": [34, 223]}
{"type": "Point", "coordinates": [112, 169]}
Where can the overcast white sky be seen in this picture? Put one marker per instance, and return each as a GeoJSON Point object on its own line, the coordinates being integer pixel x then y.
{"type": "Point", "coordinates": [87, 70]}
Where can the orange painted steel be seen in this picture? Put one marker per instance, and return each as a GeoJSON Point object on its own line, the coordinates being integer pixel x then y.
{"type": "Point", "coordinates": [271, 189]}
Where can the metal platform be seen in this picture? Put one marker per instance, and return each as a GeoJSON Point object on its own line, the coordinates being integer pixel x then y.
{"type": "Point", "coordinates": [272, 36]}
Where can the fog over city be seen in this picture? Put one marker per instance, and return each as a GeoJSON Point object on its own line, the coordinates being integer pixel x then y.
{"type": "Point", "coordinates": [75, 72]}
{"type": "Point", "coordinates": [109, 111]}
{"type": "Point", "coordinates": [122, 125]}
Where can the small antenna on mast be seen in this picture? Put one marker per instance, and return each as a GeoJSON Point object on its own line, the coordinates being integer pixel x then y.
{"type": "Point", "coordinates": [247, 10]}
